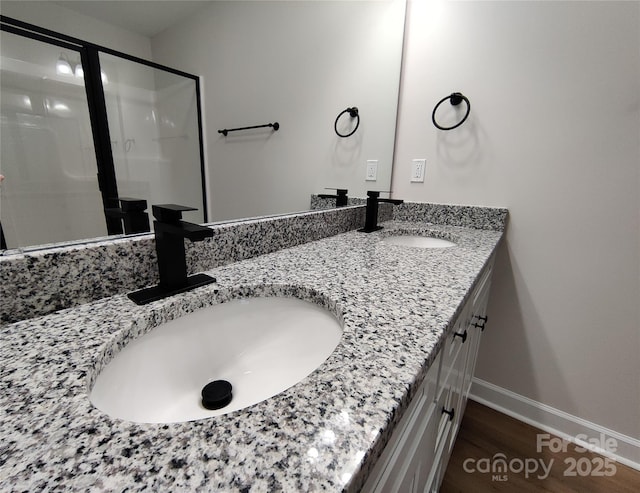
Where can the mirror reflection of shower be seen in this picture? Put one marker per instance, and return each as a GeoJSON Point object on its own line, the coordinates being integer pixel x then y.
{"type": "Point", "coordinates": [65, 67]}
{"type": "Point", "coordinates": [51, 193]}
{"type": "Point", "coordinates": [153, 126]}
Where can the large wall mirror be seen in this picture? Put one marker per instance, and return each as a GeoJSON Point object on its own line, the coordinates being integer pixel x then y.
{"type": "Point", "coordinates": [300, 63]}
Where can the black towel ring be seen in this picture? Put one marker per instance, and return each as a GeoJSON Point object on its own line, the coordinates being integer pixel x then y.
{"type": "Point", "coordinates": [353, 113]}
{"type": "Point", "coordinates": [456, 98]}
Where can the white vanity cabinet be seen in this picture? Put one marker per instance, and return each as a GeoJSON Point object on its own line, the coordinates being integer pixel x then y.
{"type": "Point", "coordinates": [406, 459]}
{"type": "Point", "coordinates": [416, 457]}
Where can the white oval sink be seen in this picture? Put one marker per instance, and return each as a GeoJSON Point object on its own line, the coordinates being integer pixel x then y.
{"type": "Point", "coordinates": [262, 346]}
{"type": "Point", "coordinates": [418, 241]}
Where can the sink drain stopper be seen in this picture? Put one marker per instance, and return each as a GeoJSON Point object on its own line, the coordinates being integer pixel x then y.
{"type": "Point", "coordinates": [216, 394]}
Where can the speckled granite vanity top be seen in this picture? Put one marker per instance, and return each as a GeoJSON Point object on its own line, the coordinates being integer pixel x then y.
{"type": "Point", "coordinates": [323, 434]}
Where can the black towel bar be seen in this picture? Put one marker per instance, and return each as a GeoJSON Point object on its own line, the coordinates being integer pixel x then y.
{"type": "Point", "coordinates": [224, 132]}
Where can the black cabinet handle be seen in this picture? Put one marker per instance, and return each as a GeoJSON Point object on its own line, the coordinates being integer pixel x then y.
{"type": "Point", "coordinates": [451, 413]}
{"type": "Point", "coordinates": [482, 320]}
{"type": "Point", "coordinates": [462, 336]}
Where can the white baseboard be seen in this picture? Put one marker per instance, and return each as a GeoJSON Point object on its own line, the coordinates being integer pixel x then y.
{"type": "Point", "coordinates": [556, 422]}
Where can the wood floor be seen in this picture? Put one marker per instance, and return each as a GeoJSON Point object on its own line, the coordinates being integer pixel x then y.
{"type": "Point", "coordinates": [485, 433]}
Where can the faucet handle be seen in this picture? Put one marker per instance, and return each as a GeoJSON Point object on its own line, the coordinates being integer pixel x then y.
{"type": "Point", "coordinates": [129, 204]}
{"type": "Point", "coordinates": [170, 213]}
{"type": "Point", "coordinates": [341, 196]}
{"type": "Point", "coordinates": [375, 194]}
{"type": "Point", "coordinates": [339, 191]}
{"type": "Point", "coordinates": [378, 192]}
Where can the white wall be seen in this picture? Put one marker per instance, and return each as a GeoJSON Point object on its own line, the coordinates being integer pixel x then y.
{"type": "Point", "coordinates": [300, 64]}
{"type": "Point", "coordinates": [554, 135]}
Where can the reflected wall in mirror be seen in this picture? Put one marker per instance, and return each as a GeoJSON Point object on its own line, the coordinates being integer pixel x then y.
{"type": "Point", "coordinates": [299, 63]}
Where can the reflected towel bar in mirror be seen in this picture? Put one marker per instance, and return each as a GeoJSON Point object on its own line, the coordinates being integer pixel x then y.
{"type": "Point", "coordinates": [224, 132]}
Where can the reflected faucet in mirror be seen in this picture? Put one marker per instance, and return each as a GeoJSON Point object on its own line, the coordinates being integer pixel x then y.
{"type": "Point", "coordinates": [170, 233]}
{"type": "Point", "coordinates": [133, 215]}
{"type": "Point", "coordinates": [371, 217]}
{"type": "Point", "coordinates": [340, 196]}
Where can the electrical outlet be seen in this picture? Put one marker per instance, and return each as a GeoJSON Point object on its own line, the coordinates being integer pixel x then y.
{"type": "Point", "coordinates": [417, 170]}
{"type": "Point", "coordinates": [372, 170]}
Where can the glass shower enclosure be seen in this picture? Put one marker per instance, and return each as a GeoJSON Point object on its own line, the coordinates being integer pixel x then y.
{"type": "Point", "coordinates": [82, 127]}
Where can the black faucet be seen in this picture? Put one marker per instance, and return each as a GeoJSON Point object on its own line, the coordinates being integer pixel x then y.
{"type": "Point", "coordinates": [133, 215]}
{"type": "Point", "coordinates": [170, 233]}
{"type": "Point", "coordinates": [341, 197]}
{"type": "Point", "coordinates": [371, 219]}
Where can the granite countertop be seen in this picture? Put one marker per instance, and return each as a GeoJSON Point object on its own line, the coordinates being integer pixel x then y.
{"type": "Point", "coordinates": [324, 433]}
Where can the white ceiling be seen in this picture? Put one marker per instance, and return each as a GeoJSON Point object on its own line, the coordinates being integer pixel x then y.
{"type": "Point", "coordinates": [145, 17]}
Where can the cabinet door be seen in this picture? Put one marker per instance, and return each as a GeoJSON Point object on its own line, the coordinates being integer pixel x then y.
{"type": "Point", "coordinates": [421, 454]}
{"type": "Point", "coordinates": [453, 370]}
{"type": "Point", "coordinates": [416, 457]}
{"type": "Point", "coordinates": [477, 318]}
{"type": "Point", "coordinates": [411, 445]}
{"type": "Point", "coordinates": [440, 444]}
{"type": "Point", "coordinates": [458, 365]}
